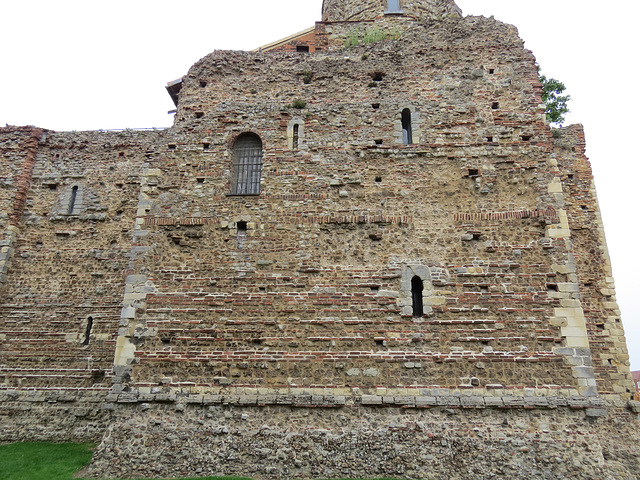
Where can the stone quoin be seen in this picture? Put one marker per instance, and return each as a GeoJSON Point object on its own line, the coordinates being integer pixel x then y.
{"type": "Point", "coordinates": [360, 251]}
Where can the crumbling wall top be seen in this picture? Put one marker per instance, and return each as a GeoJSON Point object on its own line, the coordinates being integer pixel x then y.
{"type": "Point", "coordinates": [359, 10]}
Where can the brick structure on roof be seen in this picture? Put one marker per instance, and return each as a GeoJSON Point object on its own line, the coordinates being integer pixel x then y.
{"type": "Point", "coordinates": [370, 259]}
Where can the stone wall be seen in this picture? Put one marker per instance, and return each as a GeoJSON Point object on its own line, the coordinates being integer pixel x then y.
{"type": "Point", "coordinates": [421, 263]}
{"type": "Point", "coordinates": [359, 10]}
{"type": "Point", "coordinates": [442, 443]}
{"type": "Point", "coordinates": [62, 299]}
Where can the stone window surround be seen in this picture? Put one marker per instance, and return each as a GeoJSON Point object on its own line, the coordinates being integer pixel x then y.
{"type": "Point", "coordinates": [290, 133]}
{"type": "Point", "coordinates": [415, 126]}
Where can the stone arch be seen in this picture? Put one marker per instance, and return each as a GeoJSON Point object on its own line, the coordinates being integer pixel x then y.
{"type": "Point", "coordinates": [246, 165]}
{"type": "Point", "coordinates": [407, 126]}
{"type": "Point", "coordinates": [413, 276]}
{"type": "Point", "coordinates": [295, 134]}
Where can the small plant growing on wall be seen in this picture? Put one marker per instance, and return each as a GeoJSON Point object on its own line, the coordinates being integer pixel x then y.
{"type": "Point", "coordinates": [307, 76]}
{"type": "Point", "coordinates": [299, 104]}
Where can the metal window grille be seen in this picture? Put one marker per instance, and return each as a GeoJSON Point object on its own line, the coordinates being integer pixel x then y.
{"type": "Point", "coordinates": [247, 165]}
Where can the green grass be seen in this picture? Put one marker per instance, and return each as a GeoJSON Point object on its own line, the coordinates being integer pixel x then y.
{"type": "Point", "coordinates": [39, 461]}
{"type": "Point", "coordinates": [53, 461]}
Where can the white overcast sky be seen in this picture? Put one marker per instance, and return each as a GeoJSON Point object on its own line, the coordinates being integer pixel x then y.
{"type": "Point", "coordinates": [84, 65]}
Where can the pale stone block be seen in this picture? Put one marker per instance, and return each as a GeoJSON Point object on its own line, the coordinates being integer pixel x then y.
{"type": "Point", "coordinates": [435, 301]}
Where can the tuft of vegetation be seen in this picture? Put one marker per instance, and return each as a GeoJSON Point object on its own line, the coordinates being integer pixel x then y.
{"type": "Point", "coordinates": [371, 35]}
{"type": "Point", "coordinates": [555, 102]}
{"type": "Point", "coordinates": [307, 76]}
{"type": "Point", "coordinates": [299, 104]}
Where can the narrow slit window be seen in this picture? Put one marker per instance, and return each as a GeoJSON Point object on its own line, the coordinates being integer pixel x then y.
{"type": "Point", "coordinates": [247, 165]}
{"type": "Point", "coordinates": [407, 134]}
{"type": "Point", "coordinates": [296, 136]}
{"type": "Point", "coordinates": [87, 333]}
{"type": "Point", "coordinates": [72, 200]}
{"type": "Point", "coordinates": [416, 296]}
{"type": "Point", "coordinates": [241, 233]}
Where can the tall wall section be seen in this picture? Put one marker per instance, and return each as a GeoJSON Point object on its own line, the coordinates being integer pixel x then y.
{"type": "Point", "coordinates": [419, 287]}
{"type": "Point", "coordinates": [275, 334]}
{"type": "Point", "coordinates": [62, 296]}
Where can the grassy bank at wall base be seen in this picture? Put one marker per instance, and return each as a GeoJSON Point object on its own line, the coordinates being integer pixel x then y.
{"type": "Point", "coordinates": [54, 461]}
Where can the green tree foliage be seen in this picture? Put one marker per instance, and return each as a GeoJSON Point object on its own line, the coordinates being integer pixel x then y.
{"type": "Point", "coordinates": [555, 102]}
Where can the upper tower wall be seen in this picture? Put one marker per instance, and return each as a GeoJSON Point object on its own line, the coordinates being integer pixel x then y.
{"type": "Point", "coordinates": [358, 10]}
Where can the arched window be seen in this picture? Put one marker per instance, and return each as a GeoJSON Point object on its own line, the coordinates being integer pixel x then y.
{"type": "Point", "coordinates": [247, 165]}
{"type": "Point", "coordinates": [416, 296]}
{"type": "Point", "coordinates": [393, 6]}
{"type": "Point", "coordinates": [72, 200]}
{"type": "Point", "coordinates": [407, 134]}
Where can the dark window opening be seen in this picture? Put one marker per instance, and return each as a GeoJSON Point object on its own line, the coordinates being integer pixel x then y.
{"type": "Point", "coordinates": [296, 136]}
{"type": "Point", "coordinates": [52, 186]}
{"type": "Point", "coordinates": [377, 76]}
{"type": "Point", "coordinates": [200, 179]}
{"type": "Point", "coordinates": [416, 296]}
{"type": "Point", "coordinates": [570, 176]}
{"type": "Point", "coordinates": [378, 179]}
{"type": "Point", "coordinates": [302, 48]}
{"type": "Point", "coordinates": [247, 165]}
{"type": "Point", "coordinates": [375, 106]}
{"type": "Point", "coordinates": [490, 139]}
{"type": "Point", "coordinates": [407, 134]}
{"type": "Point", "coordinates": [87, 333]}
{"type": "Point", "coordinates": [206, 146]}
{"type": "Point", "coordinates": [241, 233]}
{"type": "Point", "coordinates": [72, 201]}
{"type": "Point", "coordinates": [199, 114]}
{"type": "Point", "coordinates": [495, 105]}
{"type": "Point", "coordinates": [172, 146]}
{"type": "Point", "coordinates": [526, 138]}
{"type": "Point", "coordinates": [474, 172]}
{"type": "Point", "coordinates": [379, 343]}
{"type": "Point", "coordinates": [492, 71]}
{"type": "Point", "coordinates": [121, 154]}
{"type": "Point", "coordinates": [203, 83]}
{"type": "Point", "coordinates": [552, 287]}
{"type": "Point", "coordinates": [378, 141]}
{"type": "Point", "coordinates": [584, 207]}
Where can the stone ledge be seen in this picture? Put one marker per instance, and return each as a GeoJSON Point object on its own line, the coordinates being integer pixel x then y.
{"type": "Point", "coordinates": [596, 406]}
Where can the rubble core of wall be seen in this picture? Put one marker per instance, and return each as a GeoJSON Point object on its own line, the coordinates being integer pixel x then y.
{"type": "Point", "coordinates": [361, 10]}
{"type": "Point", "coordinates": [442, 443]}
